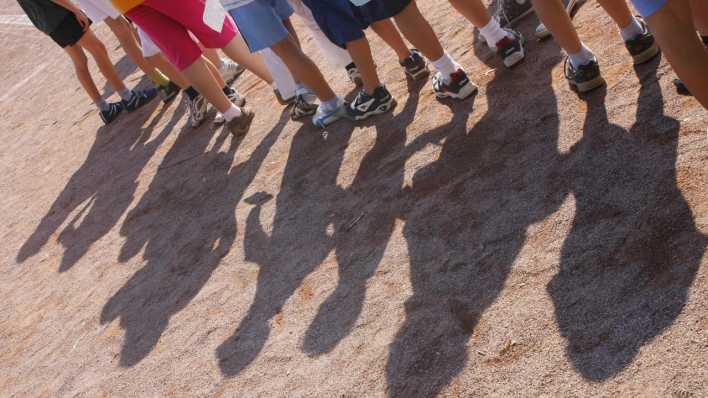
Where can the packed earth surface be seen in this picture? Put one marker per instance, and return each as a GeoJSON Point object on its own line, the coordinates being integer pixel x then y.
{"type": "Point", "coordinates": [527, 241]}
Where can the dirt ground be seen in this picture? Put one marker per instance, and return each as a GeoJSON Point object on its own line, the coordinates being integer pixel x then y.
{"type": "Point", "coordinates": [526, 242]}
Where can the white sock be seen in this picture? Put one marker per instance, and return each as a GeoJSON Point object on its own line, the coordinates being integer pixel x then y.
{"type": "Point", "coordinates": [632, 30]}
{"type": "Point", "coordinates": [493, 33]}
{"type": "Point", "coordinates": [582, 57]}
{"type": "Point", "coordinates": [232, 113]}
{"type": "Point", "coordinates": [445, 65]}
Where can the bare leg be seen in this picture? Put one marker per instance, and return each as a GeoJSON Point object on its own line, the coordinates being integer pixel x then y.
{"type": "Point", "coordinates": [557, 21]}
{"type": "Point", "coordinates": [388, 32]}
{"type": "Point", "coordinates": [239, 52]}
{"type": "Point", "coordinates": [122, 30]}
{"type": "Point", "coordinates": [700, 16]}
{"type": "Point", "coordinates": [203, 81]}
{"type": "Point", "coordinates": [78, 57]}
{"type": "Point", "coordinates": [160, 62]}
{"type": "Point", "coordinates": [360, 52]}
{"type": "Point", "coordinates": [98, 51]}
{"type": "Point", "coordinates": [214, 71]}
{"type": "Point", "coordinates": [418, 31]}
{"type": "Point", "coordinates": [302, 68]}
{"type": "Point", "coordinates": [618, 11]}
{"type": "Point", "coordinates": [474, 11]}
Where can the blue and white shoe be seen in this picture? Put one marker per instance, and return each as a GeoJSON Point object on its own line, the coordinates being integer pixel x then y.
{"type": "Point", "coordinates": [139, 98]}
{"type": "Point", "coordinates": [323, 119]}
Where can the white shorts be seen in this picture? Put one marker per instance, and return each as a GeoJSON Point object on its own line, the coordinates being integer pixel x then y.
{"type": "Point", "coordinates": [149, 46]}
{"type": "Point", "coordinates": [99, 10]}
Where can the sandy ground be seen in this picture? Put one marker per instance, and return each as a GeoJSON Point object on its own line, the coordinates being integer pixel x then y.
{"type": "Point", "coordinates": [524, 242]}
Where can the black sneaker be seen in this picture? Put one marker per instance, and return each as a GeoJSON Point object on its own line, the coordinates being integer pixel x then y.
{"type": "Point", "coordinates": [415, 65]}
{"type": "Point", "coordinates": [169, 92]}
{"type": "Point", "coordinates": [354, 75]}
{"type": "Point", "coordinates": [585, 78]}
{"type": "Point", "coordinates": [511, 49]}
{"type": "Point", "coordinates": [643, 47]}
{"type": "Point", "coordinates": [365, 105]}
{"type": "Point", "coordinates": [283, 101]}
{"type": "Point", "coordinates": [511, 11]}
{"type": "Point", "coordinates": [110, 114]}
{"type": "Point", "coordinates": [139, 99]}
{"type": "Point", "coordinates": [302, 108]}
{"type": "Point", "coordinates": [458, 86]}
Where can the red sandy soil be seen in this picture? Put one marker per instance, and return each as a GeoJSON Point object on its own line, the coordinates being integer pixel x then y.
{"type": "Point", "coordinates": [524, 242]}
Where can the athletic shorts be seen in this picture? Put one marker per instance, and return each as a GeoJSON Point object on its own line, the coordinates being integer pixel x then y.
{"type": "Point", "coordinates": [68, 33]}
{"type": "Point", "coordinates": [261, 22]}
{"type": "Point", "coordinates": [99, 10]}
{"type": "Point", "coordinates": [169, 24]}
{"type": "Point", "coordinates": [648, 7]}
{"type": "Point", "coordinates": [342, 22]}
{"type": "Point", "coordinates": [148, 46]}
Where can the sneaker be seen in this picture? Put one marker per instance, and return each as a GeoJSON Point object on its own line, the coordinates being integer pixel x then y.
{"type": "Point", "coordinates": [236, 99]}
{"type": "Point", "coordinates": [324, 118]}
{"type": "Point", "coordinates": [511, 49]}
{"type": "Point", "coordinates": [240, 125]}
{"type": "Point", "coordinates": [139, 98]}
{"type": "Point", "coordinates": [511, 11]}
{"type": "Point", "coordinates": [458, 86]}
{"type": "Point", "coordinates": [197, 111]}
{"type": "Point", "coordinates": [169, 92]}
{"type": "Point", "coordinates": [643, 47]}
{"type": "Point", "coordinates": [354, 75]}
{"type": "Point", "coordinates": [365, 105]}
{"type": "Point", "coordinates": [414, 65]}
{"type": "Point", "coordinates": [283, 101]}
{"type": "Point", "coordinates": [230, 70]}
{"type": "Point", "coordinates": [110, 114]}
{"type": "Point", "coordinates": [301, 108]}
{"type": "Point", "coordinates": [585, 78]}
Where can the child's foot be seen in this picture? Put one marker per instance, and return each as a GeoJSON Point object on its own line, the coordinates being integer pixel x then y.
{"type": "Point", "coordinates": [458, 86]}
{"type": "Point", "coordinates": [236, 99]}
{"type": "Point", "coordinates": [240, 125]}
{"type": "Point", "coordinates": [365, 105]}
{"type": "Point", "coordinates": [584, 78]}
{"type": "Point", "coordinates": [139, 98]}
{"type": "Point", "coordinates": [643, 47]}
{"type": "Point", "coordinates": [169, 92]}
{"type": "Point", "coordinates": [197, 111]}
{"type": "Point", "coordinates": [324, 117]}
{"type": "Point", "coordinates": [510, 11]}
{"type": "Point", "coordinates": [354, 75]}
{"type": "Point", "coordinates": [415, 65]}
{"type": "Point", "coordinates": [302, 108]}
{"type": "Point", "coordinates": [110, 114]}
{"type": "Point", "coordinates": [230, 70]}
{"type": "Point", "coordinates": [511, 48]}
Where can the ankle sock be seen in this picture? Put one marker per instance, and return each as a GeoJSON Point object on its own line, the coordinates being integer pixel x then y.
{"type": "Point", "coordinates": [493, 33]}
{"type": "Point", "coordinates": [300, 89]}
{"type": "Point", "coordinates": [330, 105]}
{"type": "Point", "coordinates": [632, 30]}
{"type": "Point", "coordinates": [582, 57]}
{"type": "Point", "coordinates": [232, 113]}
{"type": "Point", "coordinates": [101, 104]}
{"type": "Point", "coordinates": [126, 94]}
{"type": "Point", "coordinates": [445, 65]}
{"type": "Point", "coordinates": [191, 93]}
{"type": "Point", "coordinates": [159, 78]}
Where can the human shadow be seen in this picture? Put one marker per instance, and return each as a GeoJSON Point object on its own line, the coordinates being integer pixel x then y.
{"type": "Point", "coordinates": [185, 224]}
{"type": "Point", "coordinates": [104, 186]}
{"type": "Point", "coordinates": [466, 217]}
{"type": "Point", "coordinates": [299, 241]}
{"type": "Point", "coordinates": [633, 250]}
{"type": "Point", "coordinates": [367, 212]}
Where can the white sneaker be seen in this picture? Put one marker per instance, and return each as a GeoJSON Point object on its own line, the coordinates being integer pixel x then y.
{"type": "Point", "coordinates": [323, 119]}
{"type": "Point", "coordinates": [230, 70]}
{"type": "Point", "coordinates": [197, 111]}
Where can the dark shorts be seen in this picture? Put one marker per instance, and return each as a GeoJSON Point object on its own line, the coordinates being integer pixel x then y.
{"type": "Point", "coordinates": [68, 33]}
{"type": "Point", "coordinates": [342, 22]}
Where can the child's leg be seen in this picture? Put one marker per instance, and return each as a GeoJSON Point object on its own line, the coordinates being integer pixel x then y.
{"type": "Point", "coordinates": [621, 14]}
{"type": "Point", "coordinates": [90, 43]}
{"type": "Point", "coordinates": [122, 30]}
{"type": "Point", "coordinates": [676, 35]}
{"type": "Point", "coordinates": [360, 51]}
{"type": "Point", "coordinates": [303, 69]}
{"type": "Point", "coordinates": [418, 31]}
{"type": "Point", "coordinates": [78, 58]}
{"type": "Point", "coordinates": [158, 61]}
{"type": "Point", "coordinates": [553, 15]}
{"type": "Point", "coordinates": [699, 8]}
{"type": "Point", "coordinates": [388, 32]}
{"type": "Point", "coordinates": [238, 51]}
{"type": "Point", "coordinates": [473, 10]}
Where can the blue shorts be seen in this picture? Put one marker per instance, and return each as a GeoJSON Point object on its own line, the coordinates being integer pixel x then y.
{"type": "Point", "coordinates": [342, 22]}
{"type": "Point", "coordinates": [648, 7]}
{"type": "Point", "coordinates": [261, 22]}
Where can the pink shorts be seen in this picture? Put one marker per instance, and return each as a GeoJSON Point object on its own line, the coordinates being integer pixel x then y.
{"type": "Point", "coordinates": [169, 23]}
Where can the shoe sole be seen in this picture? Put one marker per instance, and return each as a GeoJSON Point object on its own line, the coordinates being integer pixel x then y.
{"type": "Point", "coordinates": [418, 75]}
{"type": "Point", "coordinates": [587, 86]}
{"type": "Point", "coordinates": [466, 91]}
{"type": "Point", "coordinates": [383, 108]}
{"type": "Point", "coordinates": [239, 131]}
{"type": "Point", "coordinates": [517, 57]}
{"type": "Point", "coordinates": [647, 55]}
